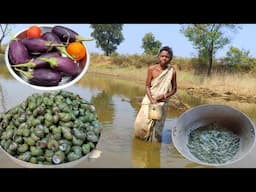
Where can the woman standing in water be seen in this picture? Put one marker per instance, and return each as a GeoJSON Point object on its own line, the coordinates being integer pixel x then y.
{"type": "Point", "coordinates": [160, 86]}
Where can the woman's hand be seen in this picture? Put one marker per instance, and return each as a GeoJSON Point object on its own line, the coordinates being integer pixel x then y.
{"type": "Point", "coordinates": [161, 97]}
{"type": "Point", "coordinates": [153, 101]}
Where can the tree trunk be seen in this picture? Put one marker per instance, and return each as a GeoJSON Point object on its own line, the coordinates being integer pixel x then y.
{"type": "Point", "coordinates": [210, 62]}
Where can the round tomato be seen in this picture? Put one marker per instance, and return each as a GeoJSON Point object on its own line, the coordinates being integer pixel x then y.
{"type": "Point", "coordinates": [76, 50]}
{"type": "Point", "coordinates": [34, 31]}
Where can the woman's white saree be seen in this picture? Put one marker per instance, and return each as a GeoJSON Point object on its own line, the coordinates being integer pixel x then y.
{"type": "Point", "coordinates": [148, 129]}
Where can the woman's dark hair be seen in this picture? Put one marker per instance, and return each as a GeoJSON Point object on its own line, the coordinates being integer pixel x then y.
{"type": "Point", "coordinates": [168, 49]}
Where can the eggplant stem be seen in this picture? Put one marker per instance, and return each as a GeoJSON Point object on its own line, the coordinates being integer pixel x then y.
{"type": "Point", "coordinates": [27, 74]}
{"type": "Point", "coordinates": [52, 61]}
{"type": "Point", "coordinates": [64, 51]}
{"type": "Point", "coordinates": [80, 38]}
{"type": "Point", "coordinates": [50, 44]}
{"type": "Point", "coordinates": [29, 64]}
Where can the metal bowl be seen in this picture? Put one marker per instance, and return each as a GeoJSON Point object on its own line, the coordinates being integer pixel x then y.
{"type": "Point", "coordinates": [223, 115]}
{"type": "Point", "coordinates": [65, 82]}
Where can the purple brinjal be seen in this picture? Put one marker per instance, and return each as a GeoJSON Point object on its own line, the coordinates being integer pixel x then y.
{"type": "Point", "coordinates": [63, 64]}
{"type": "Point", "coordinates": [52, 37]}
{"type": "Point", "coordinates": [42, 77]}
{"type": "Point", "coordinates": [68, 35]}
{"type": "Point", "coordinates": [37, 62]}
{"type": "Point", "coordinates": [40, 45]}
{"type": "Point", "coordinates": [17, 52]}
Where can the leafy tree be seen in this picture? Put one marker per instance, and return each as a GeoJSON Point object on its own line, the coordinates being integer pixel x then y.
{"type": "Point", "coordinates": [239, 59]}
{"type": "Point", "coordinates": [108, 36]}
{"type": "Point", "coordinates": [235, 56]}
{"type": "Point", "coordinates": [150, 45]}
{"type": "Point", "coordinates": [208, 38]}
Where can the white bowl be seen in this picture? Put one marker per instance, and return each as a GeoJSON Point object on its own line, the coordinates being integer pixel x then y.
{"type": "Point", "coordinates": [65, 82]}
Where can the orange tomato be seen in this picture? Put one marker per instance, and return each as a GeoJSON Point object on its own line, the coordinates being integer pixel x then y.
{"type": "Point", "coordinates": [34, 31]}
{"type": "Point", "coordinates": [76, 50]}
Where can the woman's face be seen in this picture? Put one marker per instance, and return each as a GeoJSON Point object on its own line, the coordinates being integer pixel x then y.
{"type": "Point", "coordinates": [164, 57]}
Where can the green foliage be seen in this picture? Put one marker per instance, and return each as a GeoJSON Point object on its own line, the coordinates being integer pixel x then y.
{"type": "Point", "coordinates": [150, 45]}
{"type": "Point", "coordinates": [238, 60]}
{"type": "Point", "coordinates": [234, 56]}
{"type": "Point", "coordinates": [108, 36]}
{"type": "Point", "coordinates": [208, 38]}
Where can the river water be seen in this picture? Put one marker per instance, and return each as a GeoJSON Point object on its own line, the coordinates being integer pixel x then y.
{"type": "Point", "coordinates": [116, 107]}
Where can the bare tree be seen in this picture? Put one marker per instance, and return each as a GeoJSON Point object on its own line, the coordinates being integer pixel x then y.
{"type": "Point", "coordinates": [4, 31]}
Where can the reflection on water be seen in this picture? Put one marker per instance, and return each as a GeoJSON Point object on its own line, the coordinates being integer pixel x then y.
{"type": "Point", "coordinates": [145, 154]}
{"type": "Point", "coordinates": [112, 97]}
{"type": "Point", "coordinates": [104, 105]}
{"type": "Point", "coordinates": [112, 86]}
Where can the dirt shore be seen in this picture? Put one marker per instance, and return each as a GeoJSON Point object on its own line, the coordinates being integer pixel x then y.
{"type": "Point", "coordinates": [218, 95]}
